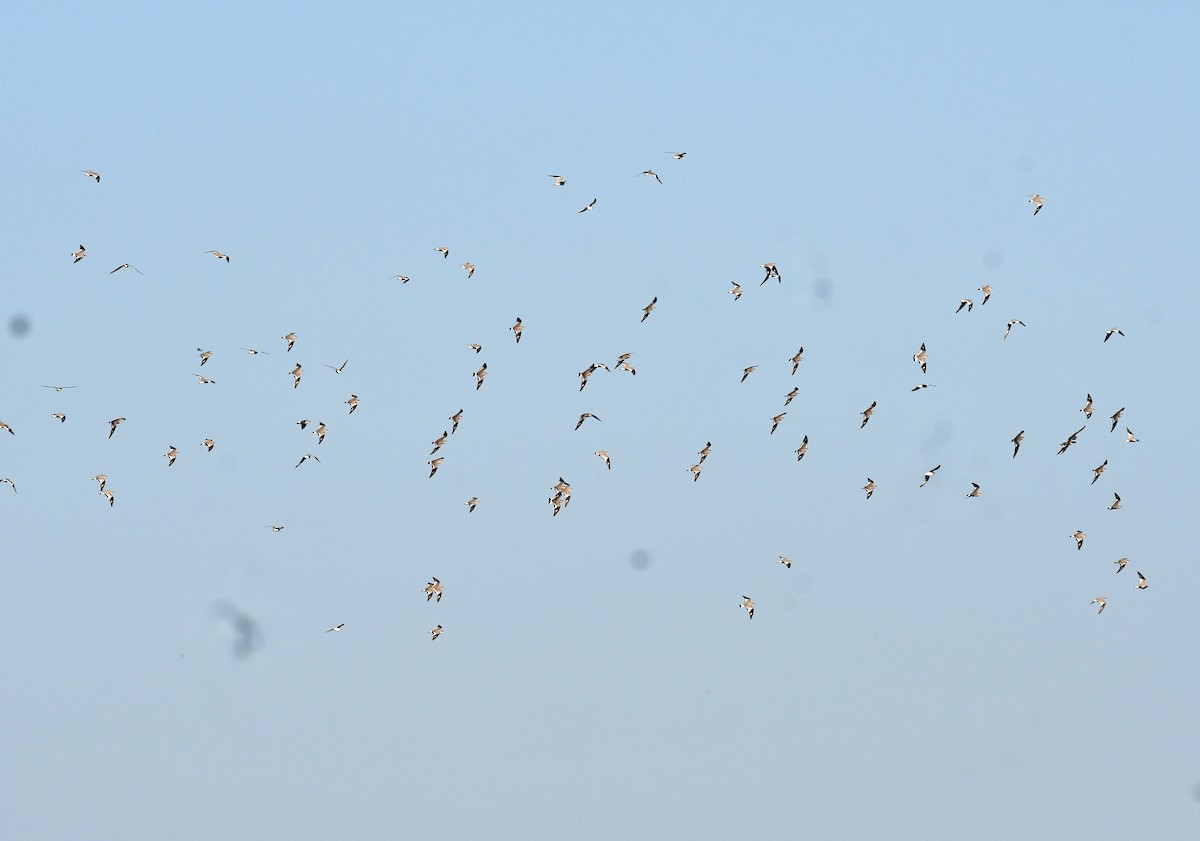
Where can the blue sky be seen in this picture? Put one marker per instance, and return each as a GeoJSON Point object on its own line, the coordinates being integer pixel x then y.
{"type": "Point", "coordinates": [929, 667]}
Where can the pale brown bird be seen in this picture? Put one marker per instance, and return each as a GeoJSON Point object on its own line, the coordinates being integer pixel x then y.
{"type": "Point", "coordinates": [974, 490]}
{"type": "Point", "coordinates": [965, 302]}
{"type": "Point", "coordinates": [748, 605]}
{"type": "Point", "coordinates": [471, 503]}
{"type": "Point", "coordinates": [584, 417]}
{"type": "Point", "coordinates": [297, 373]}
{"type": "Point", "coordinates": [403, 278]}
{"type": "Point", "coordinates": [695, 471]}
{"type": "Point", "coordinates": [62, 416]}
{"type": "Point", "coordinates": [438, 443]}
{"type": "Point", "coordinates": [559, 181]}
{"type": "Point", "coordinates": [987, 293]}
{"type": "Point", "coordinates": [796, 360]}
{"type": "Point", "coordinates": [1141, 585]}
{"type": "Point", "coordinates": [443, 250]}
{"type": "Point", "coordinates": [436, 632]}
{"type": "Point", "coordinates": [1121, 562]}
{"type": "Point", "coordinates": [107, 494]}
{"type": "Point", "coordinates": [1100, 600]}
{"type": "Point", "coordinates": [254, 351]}
{"type": "Point", "coordinates": [1016, 442]}
{"type": "Point", "coordinates": [649, 308]}
{"type": "Point", "coordinates": [205, 355]}
{"type": "Point", "coordinates": [516, 329]}
{"type": "Point", "coordinates": [6, 428]}
{"type": "Point", "coordinates": [209, 444]}
{"type": "Point", "coordinates": [650, 172]}
{"type": "Point", "coordinates": [217, 255]}
{"type": "Point", "coordinates": [625, 366]}
{"type": "Point", "coordinates": [1074, 438]}
{"type": "Point", "coordinates": [1116, 417]}
{"type": "Point", "coordinates": [320, 433]}
{"type": "Point", "coordinates": [1098, 470]}
{"type": "Point", "coordinates": [170, 455]}
{"type": "Point", "coordinates": [869, 487]}
{"type": "Point", "coordinates": [203, 380]}
{"type": "Point", "coordinates": [736, 292]}
{"type": "Point", "coordinates": [921, 358]}
{"type": "Point", "coordinates": [1116, 506]}
{"type": "Point", "coordinates": [786, 561]}
{"type": "Point", "coordinates": [454, 419]}
{"type": "Point", "coordinates": [112, 426]}
{"type": "Point", "coordinates": [1130, 438]}
{"type": "Point", "coordinates": [303, 423]}
{"type": "Point", "coordinates": [775, 421]}
{"type": "Point", "coordinates": [679, 156]}
{"type": "Point", "coordinates": [479, 375]}
{"type": "Point", "coordinates": [101, 478]}
{"type": "Point", "coordinates": [1108, 334]}
{"type": "Point", "coordinates": [867, 413]}
{"type": "Point", "coordinates": [306, 457]}
{"type": "Point", "coordinates": [433, 588]}
{"type": "Point", "coordinates": [434, 465]}
{"type": "Point", "coordinates": [1079, 536]}
{"type": "Point", "coordinates": [791, 395]}
{"type": "Point", "coordinates": [80, 254]}
{"type": "Point", "coordinates": [475, 346]}
{"type": "Point", "coordinates": [91, 173]}
{"type": "Point", "coordinates": [290, 338]}
{"type": "Point", "coordinates": [802, 450]}
{"type": "Point", "coordinates": [1036, 201]}
{"type": "Point", "coordinates": [747, 372]}
{"type": "Point", "coordinates": [706, 452]}
{"type": "Point", "coordinates": [470, 267]}
{"type": "Point", "coordinates": [352, 403]}
{"type": "Point", "coordinates": [772, 272]}
{"type": "Point", "coordinates": [1087, 408]}
{"type": "Point", "coordinates": [604, 455]}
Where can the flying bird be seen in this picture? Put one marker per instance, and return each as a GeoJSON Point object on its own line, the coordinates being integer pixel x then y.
{"type": "Point", "coordinates": [209, 444]}
{"type": "Point", "coordinates": [1008, 328]}
{"type": "Point", "coordinates": [1036, 201]}
{"type": "Point", "coordinates": [786, 561]}
{"type": "Point", "coordinates": [302, 423]}
{"type": "Point", "coordinates": [112, 426]}
{"type": "Point", "coordinates": [1108, 334]}
{"type": "Point", "coordinates": [649, 308]}
{"type": "Point", "coordinates": [352, 403]}
{"type": "Point", "coordinates": [650, 172]}
{"type": "Point", "coordinates": [695, 471]}
{"type": "Point", "coordinates": [217, 255]}
{"type": "Point", "coordinates": [706, 452]}
{"type": "Point", "coordinates": [965, 302]}
{"type": "Point", "coordinates": [436, 632]}
{"type": "Point", "coordinates": [869, 487]}
{"type": "Point", "coordinates": [736, 292]}
{"type": "Point", "coordinates": [205, 355]}
{"type": "Point", "coordinates": [987, 293]}
{"type": "Point", "coordinates": [584, 417]}
{"type": "Point", "coordinates": [403, 278]}
{"type": "Point", "coordinates": [297, 373]}
{"type": "Point", "coordinates": [475, 346]}
{"type": "Point", "coordinates": [438, 443]}
{"type": "Point", "coordinates": [1121, 562]}
{"type": "Point", "coordinates": [920, 386]}
{"type": "Point", "coordinates": [974, 490]}
{"type": "Point", "coordinates": [434, 465]}
{"type": "Point", "coordinates": [747, 372]}
{"type": "Point", "coordinates": [1016, 441]}
{"type": "Point", "coordinates": [772, 272]}
{"type": "Point", "coordinates": [471, 503]}
{"type": "Point", "coordinates": [470, 267]}
{"type": "Point", "coordinates": [791, 395]}
{"type": "Point", "coordinates": [928, 476]}
{"type": "Point", "coordinates": [1116, 417]}
{"type": "Point", "coordinates": [625, 366]}
{"type": "Point", "coordinates": [11, 484]}
{"type": "Point", "coordinates": [775, 421]}
{"type": "Point", "coordinates": [320, 433]}
{"type": "Point", "coordinates": [107, 494]}
{"type": "Point", "coordinates": [479, 375]}
{"type": "Point", "coordinates": [126, 266]}
{"type": "Point", "coordinates": [589, 206]}
{"type": "Point", "coordinates": [1100, 600]}
{"type": "Point", "coordinates": [253, 351]}
{"type": "Point", "coordinates": [1087, 408]}
{"type": "Point", "coordinates": [1116, 506]}
{"type": "Point", "coordinates": [1130, 438]}
{"type": "Point", "coordinates": [1066, 445]}
{"type": "Point", "coordinates": [62, 416]}
{"type": "Point", "coordinates": [290, 338]}
{"type": "Point", "coordinates": [802, 450]}
{"type": "Point", "coordinates": [276, 529]}
{"type": "Point", "coordinates": [101, 478]}
{"type": "Point", "coordinates": [433, 588]}
{"type": "Point", "coordinates": [748, 605]}
{"type": "Point", "coordinates": [59, 388]}
{"type": "Point", "coordinates": [1079, 536]}
{"type": "Point", "coordinates": [337, 369]}
{"type": "Point", "coordinates": [1141, 585]}
{"type": "Point", "coordinates": [517, 329]}
{"type": "Point", "coordinates": [921, 358]}
{"type": "Point", "coordinates": [170, 455]}
{"type": "Point", "coordinates": [306, 457]}
{"type": "Point", "coordinates": [867, 413]}
{"type": "Point", "coordinates": [559, 181]}
{"type": "Point", "coordinates": [796, 360]}
{"type": "Point", "coordinates": [455, 418]}
{"type": "Point", "coordinates": [6, 428]}
{"type": "Point", "coordinates": [91, 173]}
{"type": "Point", "coordinates": [678, 155]}
{"type": "Point", "coordinates": [1098, 470]}
{"type": "Point", "coordinates": [80, 254]}
{"type": "Point", "coordinates": [443, 250]}
{"type": "Point", "coordinates": [336, 627]}
{"type": "Point", "coordinates": [203, 380]}
{"type": "Point", "coordinates": [604, 455]}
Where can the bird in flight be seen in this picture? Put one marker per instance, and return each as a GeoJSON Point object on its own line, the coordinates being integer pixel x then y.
{"type": "Point", "coordinates": [736, 292]}
{"type": "Point", "coordinates": [1009, 327]}
{"type": "Point", "coordinates": [679, 156]}
{"type": "Point", "coordinates": [470, 267]}
{"type": "Point", "coordinates": [920, 386]}
{"type": "Point", "coordinates": [306, 457]}
{"type": "Point", "coordinates": [748, 605]}
{"type": "Point", "coordinates": [479, 375]}
{"type": "Point", "coordinates": [1108, 334]}
{"type": "Point", "coordinates": [1016, 441]}
{"type": "Point", "coordinates": [869, 487]}
{"type": "Point", "coordinates": [584, 417]}
{"type": "Point", "coordinates": [205, 355]}
{"type": "Point", "coordinates": [101, 478]}
{"type": "Point", "coordinates": [126, 266]}
{"type": "Point", "coordinates": [433, 588]}
{"type": "Point", "coordinates": [209, 444]}
{"type": "Point", "coordinates": [965, 302]}
{"type": "Point", "coordinates": [775, 421]}
{"type": "Point", "coordinates": [434, 465]}
{"type": "Point", "coordinates": [974, 490]}
{"type": "Point", "coordinates": [867, 413]}
{"type": "Point", "coordinates": [1079, 536]}
{"type": "Point", "coordinates": [436, 632]}
{"type": "Point", "coordinates": [62, 416]}
{"type": "Point", "coordinates": [987, 293]}
{"type": "Point", "coordinates": [337, 369]}
{"type": "Point", "coordinates": [170, 455]}
{"type": "Point", "coordinates": [559, 181]}
{"type": "Point", "coordinates": [649, 308]}
{"type": "Point", "coordinates": [475, 346]}
{"type": "Point", "coordinates": [217, 255]}
{"type": "Point", "coordinates": [336, 627]}
{"type": "Point", "coordinates": [1066, 445]}
{"type": "Point", "coordinates": [455, 418]}
{"type": "Point", "coordinates": [443, 250]}
{"type": "Point", "coordinates": [1116, 506]}
{"type": "Point", "coordinates": [1087, 408]}
{"type": "Point", "coordinates": [302, 423]}
{"type": "Point", "coordinates": [589, 206]}
{"type": "Point", "coordinates": [625, 366]}
{"type": "Point", "coordinates": [91, 173]}
{"type": "Point", "coordinates": [297, 373]}
{"type": "Point", "coordinates": [747, 372]}
{"type": "Point", "coordinates": [1141, 585]}
{"type": "Point", "coordinates": [253, 351]}
{"type": "Point", "coordinates": [1116, 417]}
{"type": "Point", "coordinates": [403, 278]}
{"type": "Point", "coordinates": [59, 388]}
{"type": "Point", "coordinates": [112, 425]}
{"type": "Point", "coordinates": [290, 338]}
{"type": "Point", "coordinates": [471, 503]}
{"type": "Point", "coordinates": [786, 561]}
{"type": "Point", "coordinates": [11, 484]}
{"type": "Point", "coordinates": [204, 380]}
{"type": "Point", "coordinates": [107, 494]}
{"type": "Point", "coordinates": [1121, 562]}
{"type": "Point", "coordinates": [796, 360]}
{"type": "Point", "coordinates": [928, 476]}
{"type": "Point", "coordinates": [791, 395]}
{"type": "Point", "coordinates": [1130, 438]}
{"type": "Point", "coordinates": [1036, 201]}
{"type": "Point", "coordinates": [517, 328]}
{"type": "Point", "coordinates": [80, 254]}
{"type": "Point", "coordinates": [772, 272]}
{"type": "Point", "coordinates": [6, 428]}
{"type": "Point", "coordinates": [352, 403]}
{"type": "Point", "coordinates": [921, 358]}
{"type": "Point", "coordinates": [320, 433]}
{"type": "Point", "coordinates": [604, 455]}
{"type": "Point", "coordinates": [706, 452]}
{"type": "Point", "coordinates": [802, 450]}
{"type": "Point", "coordinates": [1100, 600]}
{"type": "Point", "coordinates": [1098, 470]}
{"type": "Point", "coordinates": [438, 443]}
{"type": "Point", "coordinates": [650, 172]}
{"type": "Point", "coordinates": [695, 471]}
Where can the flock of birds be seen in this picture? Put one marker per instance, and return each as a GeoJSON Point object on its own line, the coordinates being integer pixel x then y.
{"type": "Point", "coordinates": [560, 491]}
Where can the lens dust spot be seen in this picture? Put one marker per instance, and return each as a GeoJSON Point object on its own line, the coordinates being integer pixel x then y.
{"type": "Point", "coordinates": [19, 326]}
{"type": "Point", "coordinates": [639, 559]}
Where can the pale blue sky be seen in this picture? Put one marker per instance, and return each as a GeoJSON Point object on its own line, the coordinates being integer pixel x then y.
{"type": "Point", "coordinates": [929, 668]}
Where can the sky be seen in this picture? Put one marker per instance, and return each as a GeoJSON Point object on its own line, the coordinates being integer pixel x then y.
{"type": "Point", "coordinates": [930, 666]}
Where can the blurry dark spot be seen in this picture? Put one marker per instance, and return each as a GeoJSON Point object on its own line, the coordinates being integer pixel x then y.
{"type": "Point", "coordinates": [639, 559]}
{"type": "Point", "coordinates": [246, 638]}
{"type": "Point", "coordinates": [993, 260]}
{"type": "Point", "coordinates": [19, 326]}
{"type": "Point", "coordinates": [823, 288]}
{"type": "Point", "coordinates": [1196, 792]}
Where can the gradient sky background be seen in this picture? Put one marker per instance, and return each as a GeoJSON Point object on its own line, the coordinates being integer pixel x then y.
{"type": "Point", "coordinates": [930, 666]}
